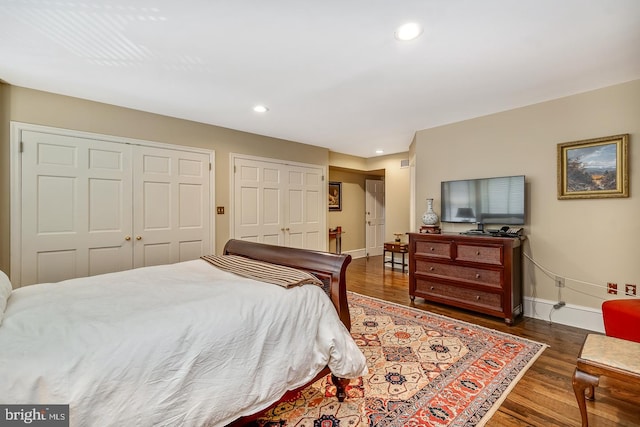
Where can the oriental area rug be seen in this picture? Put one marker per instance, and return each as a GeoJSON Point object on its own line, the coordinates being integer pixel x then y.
{"type": "Point", "coordinates": [424, 370]}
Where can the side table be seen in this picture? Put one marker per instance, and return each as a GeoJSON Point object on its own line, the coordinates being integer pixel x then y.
{"type": "Point", "coordinates": [395, 248]}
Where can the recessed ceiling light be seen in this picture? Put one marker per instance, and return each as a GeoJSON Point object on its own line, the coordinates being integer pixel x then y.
{"type": "Point", "coordinates": [260, 109]}
{"type": "Point", "coordinates": [379, 152]}
{"type": "Point", "coordinates": [408, 31]}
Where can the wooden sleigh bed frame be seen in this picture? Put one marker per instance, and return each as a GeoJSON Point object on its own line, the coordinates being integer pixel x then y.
{"type": "Point", "coordinates": [329, 268]}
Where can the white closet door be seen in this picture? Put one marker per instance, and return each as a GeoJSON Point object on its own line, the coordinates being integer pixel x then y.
{"type": "Point", "coordinates": [171, 206]}
{"type": "Point", "coordinates": [305, 206]}
{"type": "Point", "coordinates": [258, 192]}
{"type": "Point", "coordinates": [91, 205]}
{"type": "Point", "coordinates": [279, 204]}
{"type": "Point", "coordinates": [76, 207]}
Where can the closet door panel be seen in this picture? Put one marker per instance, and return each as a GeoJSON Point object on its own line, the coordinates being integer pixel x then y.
{"type": "Point", "coordinates": [305, 190]}
{"type": "Point", "coordinates": [171, 206]}
{"type": "Point", "coordinates": [74, 192]}
{"type": "Point", "coordinates": [257, 212]}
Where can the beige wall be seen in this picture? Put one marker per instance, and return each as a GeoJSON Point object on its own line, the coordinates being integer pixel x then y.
{"type": "Point", "coordinates": [584, 240]}
{"type": "Point", "coordinates": [353, 172]}
{"type": "Point", "coordinates": [42, 108]}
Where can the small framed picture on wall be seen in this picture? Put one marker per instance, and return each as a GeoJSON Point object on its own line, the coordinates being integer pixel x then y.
{"type": "Point", "coordinates": [335, 196]}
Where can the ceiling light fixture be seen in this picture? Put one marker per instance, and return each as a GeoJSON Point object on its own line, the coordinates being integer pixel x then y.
{"type": "Point", "coordinates": [260, 109]}
{"type": "Point", "coordinates": [379, 152]}
{"type": "Point", "coordinates": [408, 31]}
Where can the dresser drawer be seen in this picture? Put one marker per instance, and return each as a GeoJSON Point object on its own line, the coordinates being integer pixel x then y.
{"type": "Point", "coordinates": [434, 249]}
{"type": "Point", "coordinates": [481, 254]}
{"type": "Point", "coordinates": [460, 295]}
{"type": "Point", "coordinates": [481, 276]}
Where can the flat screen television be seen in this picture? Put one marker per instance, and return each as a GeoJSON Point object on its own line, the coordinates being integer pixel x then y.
{"type": "Point", "coordinates": [497, 200]}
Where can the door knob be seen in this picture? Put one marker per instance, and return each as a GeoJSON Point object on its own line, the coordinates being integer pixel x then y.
{"type": "Point", "coordinates": [138, 237]}
{"type": "Point", "coordinates": [127, 238]}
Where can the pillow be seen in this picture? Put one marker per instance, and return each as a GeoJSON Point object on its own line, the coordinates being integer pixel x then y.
{"type": "Point", "coordinates": [5, 292]}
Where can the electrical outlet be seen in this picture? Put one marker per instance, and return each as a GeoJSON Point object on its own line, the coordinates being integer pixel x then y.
{"type": "Point", "coordinates": [612, 288]}
{"type": "Point", "coordinates": [559, 282]}
{"type": "Point", "coordinates": [630, 290]}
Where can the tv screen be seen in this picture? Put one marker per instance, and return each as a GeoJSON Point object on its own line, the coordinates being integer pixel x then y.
{"type": "Point", "coordinates": [498, 200]}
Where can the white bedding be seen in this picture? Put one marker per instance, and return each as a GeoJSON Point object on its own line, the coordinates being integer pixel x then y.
{"type": "Point", "coordinates": [177, 345]}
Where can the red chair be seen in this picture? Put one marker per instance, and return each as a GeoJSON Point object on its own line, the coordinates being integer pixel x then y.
{"type": "Point", "coordinates": [622, 318]}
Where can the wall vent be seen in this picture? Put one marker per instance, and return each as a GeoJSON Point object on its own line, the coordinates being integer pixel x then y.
{"type": "Point", "coordinates": [404, 163]}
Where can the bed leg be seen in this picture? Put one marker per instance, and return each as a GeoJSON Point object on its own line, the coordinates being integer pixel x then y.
{"type": "Point", "coordinates": [341, 385]}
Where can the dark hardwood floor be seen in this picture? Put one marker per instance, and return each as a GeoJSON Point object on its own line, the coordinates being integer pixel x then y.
{"type": "Point", "coordinates": [544, 395]}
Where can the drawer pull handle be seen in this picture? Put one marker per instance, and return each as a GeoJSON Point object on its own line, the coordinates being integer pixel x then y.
{"type": "Point", "coordinates": [432, 249]}
{"type": "Point", "coordinates": [477, 275]}
{"type": "Point", "coordinates": [478, 253]}
{"type": "Point", "coordinates": [478, 297]}
{"type": "Point", "coordinates": [432, 268]}
{"type": "Point", "coordinates": [432, 288]}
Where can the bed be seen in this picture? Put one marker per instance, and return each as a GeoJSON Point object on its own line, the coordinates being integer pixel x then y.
{"type": "Point", "coordinates": [186, 344]}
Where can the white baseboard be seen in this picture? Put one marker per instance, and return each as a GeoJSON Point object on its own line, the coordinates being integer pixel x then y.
{"type": "Point", "coordinates": [357, 253]}
{"type": "Point", "coordinates": [570, 315]}
{"type": "Point", "coordinates": [362, 253]}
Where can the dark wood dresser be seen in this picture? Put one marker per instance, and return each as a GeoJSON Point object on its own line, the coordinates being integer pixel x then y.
{"type": "Point", "coordinates": [479, 273]}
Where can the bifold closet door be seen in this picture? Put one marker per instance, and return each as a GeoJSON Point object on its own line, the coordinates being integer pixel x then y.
{"type": "Point", "coordinates": [305, 207]}
{"type": "Point", "coordinates": [171, 206]}
{"type": "Point", "coordinates": [91, 206]}
{"type": "Point", "coordinates": [76, 207]}
{"type": "Point", "coordinates": [258, 204]}
{"type": "Point", "coordinates": [279, 204]}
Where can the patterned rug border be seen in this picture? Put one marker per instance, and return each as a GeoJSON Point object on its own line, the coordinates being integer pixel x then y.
{"type": "Point", "coordinates": [496, 405]}
{"type": "Point", "coordinates": [443, 317]}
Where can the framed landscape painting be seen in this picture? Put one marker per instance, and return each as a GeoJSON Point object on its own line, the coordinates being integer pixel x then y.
{"type": "Point", "coordinates": [593, 168]}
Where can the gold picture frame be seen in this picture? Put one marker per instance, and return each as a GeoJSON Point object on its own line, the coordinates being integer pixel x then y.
{"type": "Point", "coordinates": [594, 168]}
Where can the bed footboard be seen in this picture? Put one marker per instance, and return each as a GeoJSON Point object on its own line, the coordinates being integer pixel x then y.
{"type": "Point", "coordinates": [328, 267]}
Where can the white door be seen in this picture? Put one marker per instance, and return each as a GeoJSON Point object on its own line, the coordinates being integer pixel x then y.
{"type": "Point", "coordinates": [278, 203]}
{"type": "Point", "coordinates": [374, 217]}
{"type": "Point", "coordinates": [91, 206]}
{"type": "Point", "coordinates": [257, 209]}
{"type": "Point", "coordinates": [171, 206]}
{"type": "Point", "coordinates": [304, 201]}
{"type": "Point", "coordinates": [76, 207]}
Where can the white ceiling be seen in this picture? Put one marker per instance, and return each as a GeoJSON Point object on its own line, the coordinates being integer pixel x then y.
{"type": "Point", "coordinates": [330, 71]}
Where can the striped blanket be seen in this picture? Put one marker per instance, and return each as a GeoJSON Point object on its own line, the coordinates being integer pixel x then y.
{"type": "Point", "coordinates": [262, 271]}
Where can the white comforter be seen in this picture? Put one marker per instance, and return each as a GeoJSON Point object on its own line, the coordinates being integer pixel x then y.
{"type": "Point", "coordinates": [177, 345]}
